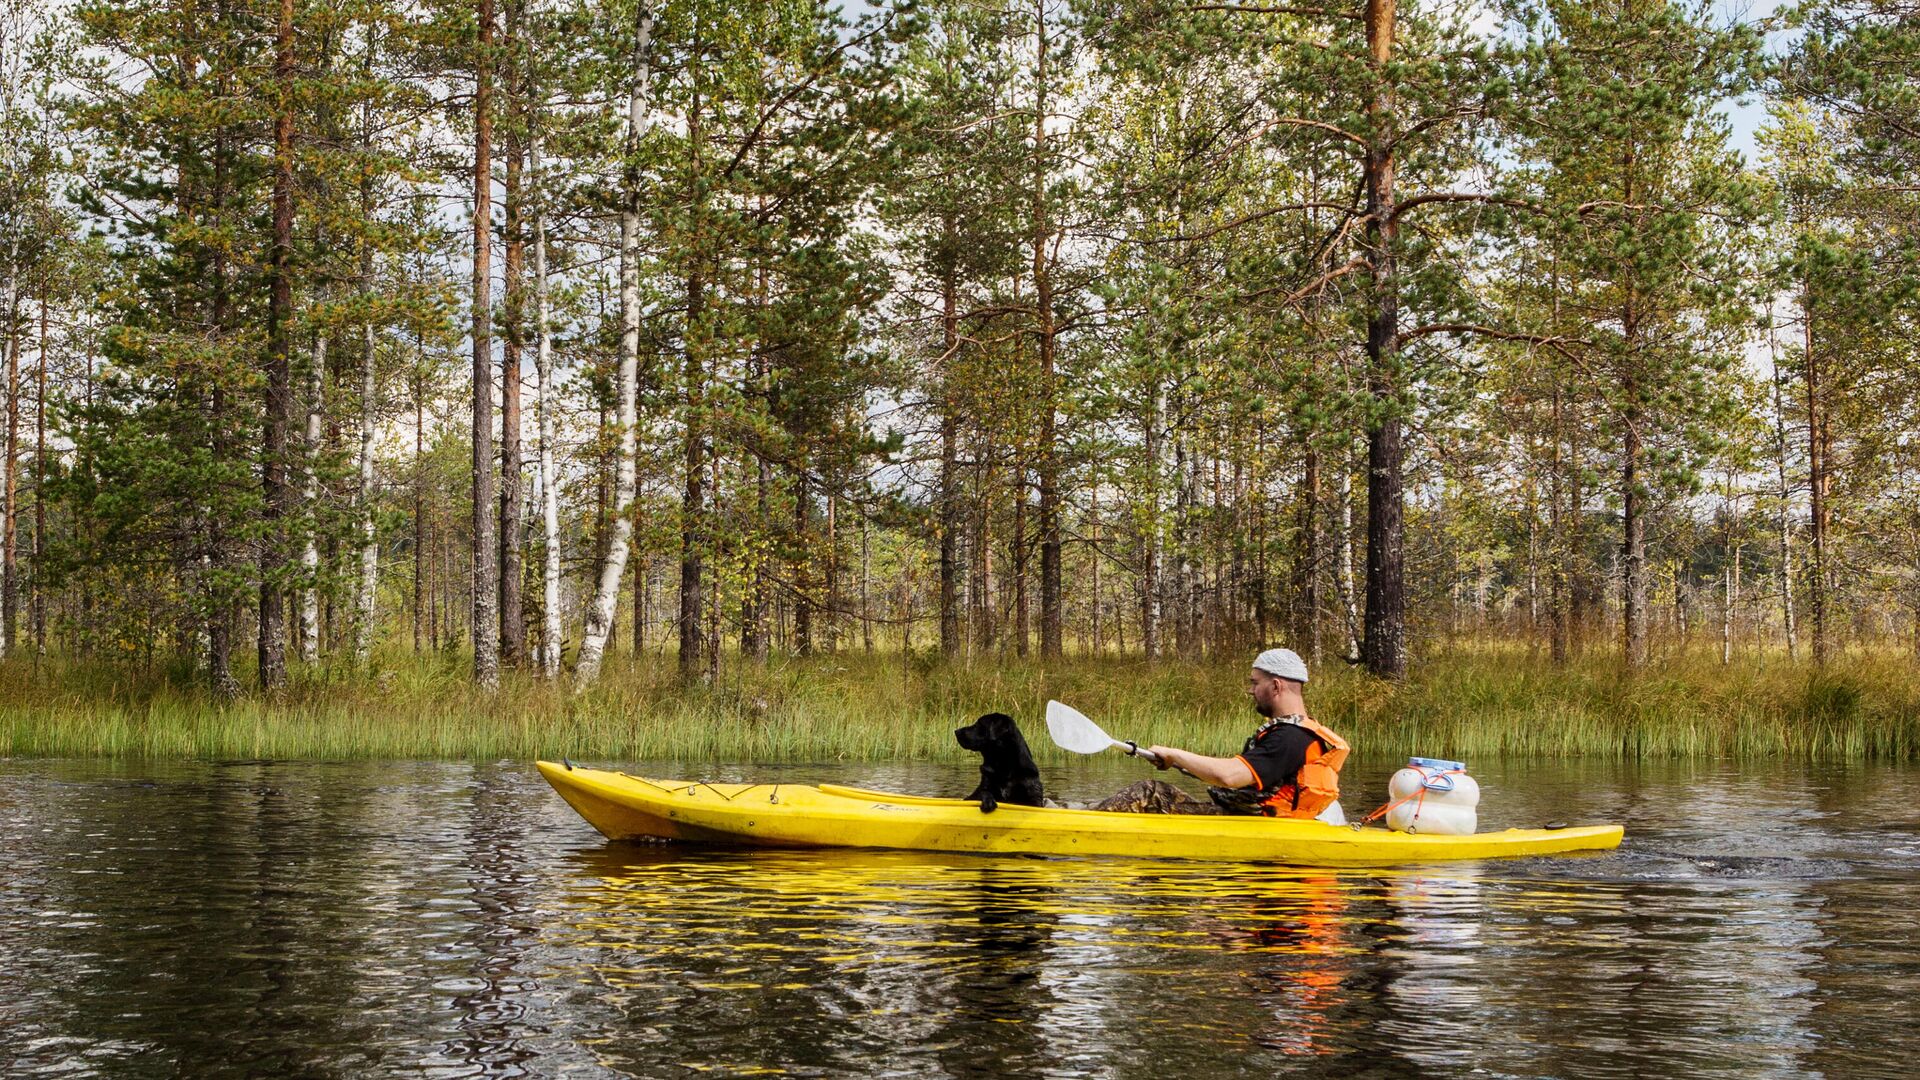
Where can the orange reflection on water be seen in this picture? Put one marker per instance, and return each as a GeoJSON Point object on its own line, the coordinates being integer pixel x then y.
{"type": "Point", "coordinates": [923, 946]}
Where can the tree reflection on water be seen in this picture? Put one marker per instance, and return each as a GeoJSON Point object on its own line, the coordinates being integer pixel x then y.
{"type": "Point", "coordinates": [407, 918]}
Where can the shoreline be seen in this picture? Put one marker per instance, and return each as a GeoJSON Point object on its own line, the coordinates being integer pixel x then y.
{"type": "Point", "coordinates": [857, 707]}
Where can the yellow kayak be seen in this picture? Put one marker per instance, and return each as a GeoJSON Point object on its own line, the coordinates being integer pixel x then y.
{"type": "Point", "coordinates": [798, 815]}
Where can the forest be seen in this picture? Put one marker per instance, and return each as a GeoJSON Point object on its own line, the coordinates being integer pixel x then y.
{"type": "Point", "coordinates": [965, 332]}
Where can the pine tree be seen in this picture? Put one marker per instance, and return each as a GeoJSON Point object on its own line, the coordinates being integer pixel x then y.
{"type": "Point", "coordinates": [1384, 100]}
{"type": "Point", "coordinates": [1845, 151]}
{"type": "Point", "coordinates": [1648, 210]}
{"type": "Point", "coordinates": [166, 428]}
{"type": "Point", "coordinates": [951, 209]}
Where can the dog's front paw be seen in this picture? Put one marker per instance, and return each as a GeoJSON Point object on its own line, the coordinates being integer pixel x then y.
{"type": "Point", "coordinates": [988, 805]}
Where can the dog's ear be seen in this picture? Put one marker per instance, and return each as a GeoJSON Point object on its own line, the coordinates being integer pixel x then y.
{"type": "Point", "coordinates": [1007, 733]}
{"type": "Point", "coordinates": [999, 725]}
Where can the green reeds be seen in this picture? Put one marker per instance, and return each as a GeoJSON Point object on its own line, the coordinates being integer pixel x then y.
{"type": "Point", "coordinates": [1490, 700]}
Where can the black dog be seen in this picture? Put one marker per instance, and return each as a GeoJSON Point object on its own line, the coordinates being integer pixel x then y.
{"type": "Point", "coordinates": [1007, 772]}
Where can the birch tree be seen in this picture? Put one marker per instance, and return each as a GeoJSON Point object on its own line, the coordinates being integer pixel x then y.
{"type": "Point", "coordinates": [551, 641]}
{"type": "Point", "coordinates": [600, 612]}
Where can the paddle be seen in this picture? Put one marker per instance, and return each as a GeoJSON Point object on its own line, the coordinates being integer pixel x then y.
{"type": "Point", "coordinates": [1071, 730]}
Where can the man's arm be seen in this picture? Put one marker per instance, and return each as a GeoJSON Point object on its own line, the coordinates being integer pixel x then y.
{"type": "Point", "coordinates": [1228, 772]}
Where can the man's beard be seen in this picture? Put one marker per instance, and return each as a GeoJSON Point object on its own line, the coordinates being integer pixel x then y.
{"type": "Point", "coordinates": [1263, 709]}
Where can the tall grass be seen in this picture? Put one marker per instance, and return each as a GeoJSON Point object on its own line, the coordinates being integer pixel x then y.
{"type": "Point", "coordinates": [1489, 700]}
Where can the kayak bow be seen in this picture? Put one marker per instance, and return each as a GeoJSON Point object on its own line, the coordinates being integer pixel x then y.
{"type": "Point", "coordinates": [627, 807]}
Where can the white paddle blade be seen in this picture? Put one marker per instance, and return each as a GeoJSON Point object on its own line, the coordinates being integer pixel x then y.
{"type": "Point", "coordinates": [1071, 730]}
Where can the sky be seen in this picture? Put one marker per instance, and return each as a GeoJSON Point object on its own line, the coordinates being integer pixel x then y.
{"type": "Point", "coordinates": [1750, 115]}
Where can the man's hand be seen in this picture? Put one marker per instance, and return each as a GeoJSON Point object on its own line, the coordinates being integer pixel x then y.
{"type": "Point", "coordinates": [1161, 756]}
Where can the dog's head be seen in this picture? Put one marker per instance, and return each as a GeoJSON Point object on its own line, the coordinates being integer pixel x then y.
{"type": "Point", "coordinates": [990, 731]}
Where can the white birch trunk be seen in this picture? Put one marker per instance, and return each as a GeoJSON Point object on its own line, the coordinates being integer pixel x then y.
{"type": "Point", "coordinates": [551, 643]}
{"type": "Point", "coordinates": [363, 606]}
{"type": "Point", "coordinates": [593, 642]}
{"type": "Point", "coordinates": [369, 549]}
{"type": "Point", "coordinates": [310, 552]}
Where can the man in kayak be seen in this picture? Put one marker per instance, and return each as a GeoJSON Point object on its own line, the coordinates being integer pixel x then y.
{"type": "Point", "coordinates": [1289, 767]}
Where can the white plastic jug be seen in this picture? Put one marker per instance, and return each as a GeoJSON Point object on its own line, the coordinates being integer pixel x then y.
{"type": "Point", "coordinates": [1433, 797]}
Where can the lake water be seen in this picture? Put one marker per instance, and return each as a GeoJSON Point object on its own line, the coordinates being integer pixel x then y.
{"type": "Point", "coordinates": [432, 919]}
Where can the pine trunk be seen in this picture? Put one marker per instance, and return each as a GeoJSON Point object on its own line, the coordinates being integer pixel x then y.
{"type": "Point", "coordinates": [421, 586]}
{"type": "Point", "coordinates": [10, 572]}
{"type": "Point", "coordinates": [693, 508]}
{"type": "Point", "coordinates": [484, 624]}
{"type": "Point", "coordinates": [1093, 567]}
{"type": "Point", "coordinates": [1786, 527]}
{"type": "Point", "coordinates": [1633, 548]}
{"type": "Point", "coordinates": [693, 503]}
{"type": "Point", "coordinates": [1349, 593]}
{"type": "Point", "coordinates": [802, 565]}
{"type": "Point", "coordinates": [1022, 624]}
{"type": "Point", "coordinates": [866, 585]}
{"type": "Point", "coordinates": [762, 592]}
{"type": "Point", "coordinates": [1557, 607]}
{"type": "Point", "coordinates": [1730, 601]}
{"type": "Point", "coordinates": [712, 655]}
{"type": "Point", "coordinates": [1183, 545]}
{"type": "Point", "coordinates": [1049, 465]}
{"type": "Point", "coordinates": [1582, 597]}
{"type": "Point", "coordinates": [949, 465]}
{"type": "Point", "coordinates": [830, 611]}
{"type": "Point", "coordinates": [1307, 626]}
{"type": "Point", "coordinates": [279, 403]}
{"type": "Point", "coordinates": [1384, 650]}
{"type": "Point", "coordinates": [1819, 481]}
{"type": "Point", "coordinates": [1150, 561]}
{"type": "Point", "coordinates": [980, 578]}
{"type": "Point", "coordinates": [364, 592]}
{"type": "Point", "coordinates": [755, 604]}
{"type": "Point", "coordinates": [40, 491]}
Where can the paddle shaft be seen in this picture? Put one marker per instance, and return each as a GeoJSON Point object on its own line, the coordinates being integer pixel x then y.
{"type": "Point", "coordinates": [1136, 750]}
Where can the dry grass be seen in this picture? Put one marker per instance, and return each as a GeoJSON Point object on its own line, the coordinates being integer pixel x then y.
{"type": "Point", "coordinates": [1489, 700]}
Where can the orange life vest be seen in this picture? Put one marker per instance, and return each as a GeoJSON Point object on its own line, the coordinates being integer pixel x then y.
{"type": "Point", "coordinates": [1317, 785]}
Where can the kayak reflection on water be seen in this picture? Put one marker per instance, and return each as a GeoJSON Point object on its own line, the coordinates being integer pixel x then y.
{"type": "Point", "coordinates": [915, 954]}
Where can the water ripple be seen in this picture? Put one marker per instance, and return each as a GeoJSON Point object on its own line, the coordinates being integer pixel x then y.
{"type": "Point", "coordinates": [444, 920]}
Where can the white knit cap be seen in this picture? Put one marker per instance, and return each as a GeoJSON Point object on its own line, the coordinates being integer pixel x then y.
{"type": "Point", "coordinates": [1282, 662]}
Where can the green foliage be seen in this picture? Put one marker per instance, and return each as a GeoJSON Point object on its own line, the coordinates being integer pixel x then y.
{"type": "Point", "coordinates": [957, 311]}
